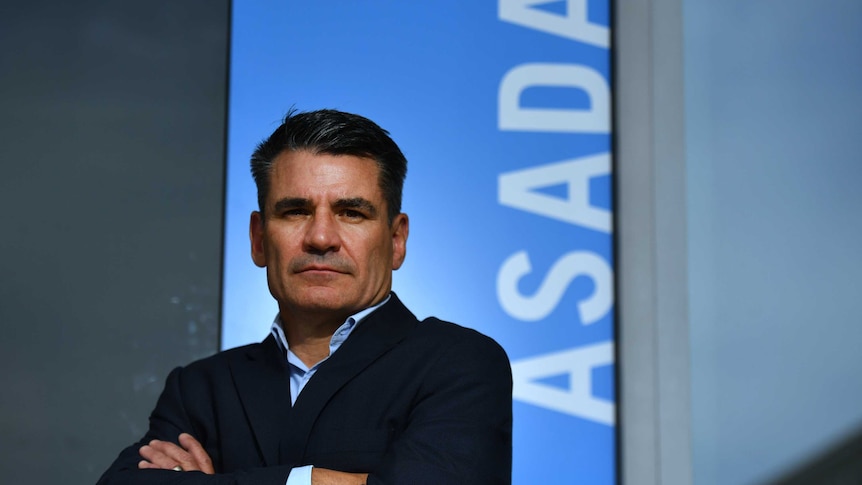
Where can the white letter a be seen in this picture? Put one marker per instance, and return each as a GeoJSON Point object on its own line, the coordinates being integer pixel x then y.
{"type": "Point", "coordinates": [573, 25]}
{"type": "Point", "coordinates": [518, 189]}
{"type": "Point", "coordinates": [578, 400]}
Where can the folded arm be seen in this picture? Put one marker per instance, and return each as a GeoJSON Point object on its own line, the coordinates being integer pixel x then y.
{"type": "Point", "coordinates": [151, 460]}
{"type": "Point", "coordinates": [460, 430]}
{"type": "Point", "coordinates": [457, 430]}
{"type": "Point", "coordinates": [191, 456]}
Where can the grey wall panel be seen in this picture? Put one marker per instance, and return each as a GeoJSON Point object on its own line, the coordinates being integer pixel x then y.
{"type": "Point", "coordinates": [110, 201]}
{"type": "Point", "coordinates": [651, 240]}
{"type": "Point", "coordinates": [773, 106]}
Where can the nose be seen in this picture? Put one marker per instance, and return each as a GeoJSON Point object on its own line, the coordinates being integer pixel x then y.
{"type": "Point", "coordinates": [321, 235]}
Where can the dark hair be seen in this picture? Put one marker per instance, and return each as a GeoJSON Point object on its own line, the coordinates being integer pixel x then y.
{"type": "Point", "coordinates": [333, 132]}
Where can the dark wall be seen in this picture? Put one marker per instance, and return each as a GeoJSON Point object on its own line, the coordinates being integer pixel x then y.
{"type": "Point", "coordinates": [840, 465]}
{"type": "Point", "coordinates": [111, 145]}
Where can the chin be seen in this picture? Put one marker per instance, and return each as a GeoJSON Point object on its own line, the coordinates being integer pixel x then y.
{"type": "Point", "coordinates": [331, 299]}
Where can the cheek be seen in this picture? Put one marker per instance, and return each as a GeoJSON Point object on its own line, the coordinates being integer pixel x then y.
{"type": "Point", "coordinates": [280, 246]}
{"type": "Point", "coordinates": [380, 260]}
{"type": "Point", "coordinates": [367, 257]}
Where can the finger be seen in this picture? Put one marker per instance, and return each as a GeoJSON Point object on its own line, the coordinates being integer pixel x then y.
{"type": "Point", "coordinates": [167, 455]}
{"type": "Point", "coordinates": [198, 453]}
{"type": "Point", "coordinates": [181, 457]}
{"type": "Point", "coordinates": [156, 458]}
{"type": "Point", "coordinates": [143, 464]}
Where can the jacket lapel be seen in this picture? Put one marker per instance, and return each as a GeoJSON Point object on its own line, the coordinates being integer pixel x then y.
{"type": "Point", "coordinates": [375, 335]}
{"type": "Point", "coordinates": [262, 381]}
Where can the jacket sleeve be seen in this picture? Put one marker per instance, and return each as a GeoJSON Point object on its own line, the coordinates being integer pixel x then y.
{"type": "Point", "coordinates": [168, 420]}
{"type": "Point", "coordinates": [460, 430]}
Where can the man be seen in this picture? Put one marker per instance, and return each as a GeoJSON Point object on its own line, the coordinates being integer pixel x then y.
{"type": "Point", "coordinates": [349, 387]}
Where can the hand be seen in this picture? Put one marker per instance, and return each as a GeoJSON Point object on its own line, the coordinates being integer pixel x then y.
{"type": "Point", "coordinates": [164, 455]}
{"type": "Point", "coordinates": [323, 476]}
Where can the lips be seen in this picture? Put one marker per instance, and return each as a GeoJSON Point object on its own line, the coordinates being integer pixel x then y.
{"type": "Point", "coordinates": [316, 268]}
{"type": "Point", "coordinates": [313, 265]}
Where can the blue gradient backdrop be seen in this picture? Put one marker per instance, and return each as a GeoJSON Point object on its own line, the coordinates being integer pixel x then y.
{"type": "Point", "coordinates": [429, 72]}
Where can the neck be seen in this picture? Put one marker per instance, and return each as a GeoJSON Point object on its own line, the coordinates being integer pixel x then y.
{"type": "Point", "coordinates": [309, 335]}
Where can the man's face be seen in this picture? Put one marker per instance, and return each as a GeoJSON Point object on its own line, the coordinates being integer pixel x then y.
{"type": "Point", "coordinates": [326, 243]}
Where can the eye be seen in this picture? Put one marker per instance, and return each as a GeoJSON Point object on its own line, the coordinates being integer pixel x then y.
{"type": "Point", "coordinates": [295, 212]}
{"type": "Point", "coordinates": [352, 214]}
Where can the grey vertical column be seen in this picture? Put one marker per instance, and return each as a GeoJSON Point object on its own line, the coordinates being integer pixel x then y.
{"type": "Point", "coordinates": [651, 242]}
{"type": "Point", "coordinates": [111, 178]}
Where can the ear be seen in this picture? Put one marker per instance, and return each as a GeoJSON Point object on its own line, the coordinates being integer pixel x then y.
{"type": "Point", "coordinates": [255, 233]}
{"type": "Point", "coordinates": [400, 229]}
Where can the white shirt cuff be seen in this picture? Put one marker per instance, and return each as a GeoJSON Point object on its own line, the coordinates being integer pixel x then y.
{"type": "Point", "coordinates": [300, 475]}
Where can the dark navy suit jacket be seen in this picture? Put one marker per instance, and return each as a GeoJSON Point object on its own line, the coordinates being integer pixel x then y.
{"type": "Point", "coordinates": [408, 402]}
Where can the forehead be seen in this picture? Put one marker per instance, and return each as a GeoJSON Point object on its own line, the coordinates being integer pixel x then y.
{"type": "Point", "coordinates": [307, 174]}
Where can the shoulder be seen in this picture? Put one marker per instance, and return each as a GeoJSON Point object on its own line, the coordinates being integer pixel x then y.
{"type": "Point", "coordinates": [221, 362]}
{"type": "Point", "coordinates": [452, 338]}
{"type": "Point", "coordinates": [224, 356]}
{"type": "Point", "coordinates": [437, 328]}
{"type": "Point", "coordinates": [459, 362]}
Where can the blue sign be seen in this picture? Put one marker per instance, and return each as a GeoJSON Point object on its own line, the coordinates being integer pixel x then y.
{"type": "Point", "coordinates": [503, 112]}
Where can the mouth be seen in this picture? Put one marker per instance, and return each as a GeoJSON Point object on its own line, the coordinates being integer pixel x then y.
{"type": "Point", "coordinates": [320, 269]}
{"type": "Point", "coordinates": [311, 266]}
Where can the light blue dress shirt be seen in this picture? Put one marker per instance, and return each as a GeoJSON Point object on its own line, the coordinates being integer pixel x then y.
{"type": "Point", "coordinates": [300, 373]}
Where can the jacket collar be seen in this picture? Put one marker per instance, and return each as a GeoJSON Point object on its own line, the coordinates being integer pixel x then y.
{"type": "Point", "coordinates": [261, 377]}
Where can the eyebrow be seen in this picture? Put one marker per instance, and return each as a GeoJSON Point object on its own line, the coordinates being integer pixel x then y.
{"type": "Point", "coordinates": [357, 203]}
{"type": "Point", "coordinates": [350, 203]}
{"type": "Point", "coordinates": [291, 203]}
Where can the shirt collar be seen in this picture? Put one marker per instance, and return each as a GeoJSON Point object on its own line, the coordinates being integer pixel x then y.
{"type": "Point", "coordinates": [341, 333]}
